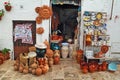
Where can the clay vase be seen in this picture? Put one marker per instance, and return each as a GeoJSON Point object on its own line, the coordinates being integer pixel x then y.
{"type": "Point", "coordinates": [64, 50]}
{"type": "Point", "coordinates": [92, 67]}
{"type": "Point", "coordinates": [88, 40]}
{"type": "Point", "coordinates": [79, 56]}
{"type": "Point", "coordinates": [38, 71]}
{"type": "Point", "coordinates": [8, 8]}
{"type": "Point", "coordinates": [104, 65]}
{"type": "Point", "coordinates": [44, 70]}
{"type": "Point", "coordinates": [50, 62]}
{"type": "Point", "coordinates": [85, 70]}
{"type": "Point", "coordinates": [1, 61]}
{"type": "Point", "coordinates": [100, 67]}
{"type": "Point", "coordinates": [56, 60]}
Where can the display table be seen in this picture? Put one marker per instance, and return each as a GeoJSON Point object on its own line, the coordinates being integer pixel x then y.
{"type": "Point", "coordinates": [93, 58]}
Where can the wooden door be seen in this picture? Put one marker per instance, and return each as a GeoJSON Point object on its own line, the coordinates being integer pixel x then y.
{"type": "Point", "coordinates": [19, 45]}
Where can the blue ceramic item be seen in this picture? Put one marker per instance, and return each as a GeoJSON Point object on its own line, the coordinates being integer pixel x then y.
{"type": "Point", "coordinates": [112, 66]}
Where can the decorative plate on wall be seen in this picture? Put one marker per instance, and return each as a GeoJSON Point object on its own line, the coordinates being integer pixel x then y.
{"type": "Point", "coordinates": [40, 30]}
{"type": "Point", "coordinates": [38, 20]}
{"type": "Point", "coordinates": [99, 16]}
{"type": "Point", "coordinates": [37, 9]}
{"type": "Point", "coordinates": [104, 48]}
{"type": "Point", "coordinates": [45, 12]}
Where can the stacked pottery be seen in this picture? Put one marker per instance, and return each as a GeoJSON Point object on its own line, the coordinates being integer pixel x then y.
{"type": "Point", "coordinates": [71, 46]}
{"type": "Point", "coordinates": [64, 50]}
{"type": "Point", "coordinates": [40, 50]}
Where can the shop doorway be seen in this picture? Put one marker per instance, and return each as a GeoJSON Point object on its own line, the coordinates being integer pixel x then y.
{"type": "Point", "coordinates": [24, 36]}
{"type": "Point", "coordinates": [64, 20]}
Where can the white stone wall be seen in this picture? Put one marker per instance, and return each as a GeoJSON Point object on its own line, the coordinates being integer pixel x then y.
{"type": "Point", "coordinates": [28, 13]}
{"type": "Point", "coordinates": [22, 10]}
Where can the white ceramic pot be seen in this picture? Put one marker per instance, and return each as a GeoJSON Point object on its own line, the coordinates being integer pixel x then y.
{"type": "Point", "coordinates": [65, 50]}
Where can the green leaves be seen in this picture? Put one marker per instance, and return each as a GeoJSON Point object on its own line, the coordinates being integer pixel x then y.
{"type": "Point", "coordinates": [5, 50]}
{"type": "Point", "coordinates": [1, 12]}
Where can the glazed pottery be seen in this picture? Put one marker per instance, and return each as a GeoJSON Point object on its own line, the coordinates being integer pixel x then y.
{"type": "Point", "coordinates": [40, 50]}
{"type": "Point", "coordinates": [64, 50]}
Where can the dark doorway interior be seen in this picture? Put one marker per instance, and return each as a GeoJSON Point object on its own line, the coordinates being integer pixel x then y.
{"type": "Point", "coordinates": [64, 20]}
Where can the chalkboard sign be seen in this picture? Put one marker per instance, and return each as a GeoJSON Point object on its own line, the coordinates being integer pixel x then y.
{"type": "Point", "coordinates": [115, 47]}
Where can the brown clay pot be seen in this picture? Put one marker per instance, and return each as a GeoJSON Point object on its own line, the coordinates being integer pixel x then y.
{"type": "Point", "coordinates": [1, 61]}
{"type": "Point", "coordinates": [44, 70]}
{"type": "Point", "coordinates": [55, 37]}
{"type": "Point", "coordinates": [85, 70]}
{"type": "Point", "coordinates": [88, 40]}
{"type": "Point", "coordinates": [38, 71]}
{"type": "Point", "coordinates": [100, 67]}
{"type": "Point", "coordinates": [8, 8]}
{"type": "Point", "coordinates": [104, 65]}
{"type": "Point", "coordinates": [56, 60]}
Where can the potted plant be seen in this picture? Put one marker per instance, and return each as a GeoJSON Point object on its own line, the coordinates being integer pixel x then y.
{"type": "Point", "coordinates": [7, 6]}
{"type": "Point", "coordinates": [6, 53]}
{"type": "Point", "coordinates": [1, 13]}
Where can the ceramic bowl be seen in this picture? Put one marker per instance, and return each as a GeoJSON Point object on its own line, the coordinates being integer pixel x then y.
{"type": "Point", "coordinates": [112, 66]}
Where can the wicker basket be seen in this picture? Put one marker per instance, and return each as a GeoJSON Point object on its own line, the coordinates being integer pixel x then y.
{"type": "Point", "coordinates": [31, 56]}
{"type": "Point", "coordinates": [24, 58]}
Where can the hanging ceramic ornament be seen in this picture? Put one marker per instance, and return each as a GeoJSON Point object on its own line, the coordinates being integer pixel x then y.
{"type": "Point", "coordinates": [104, 49]}
{"type": "Point", "coordinates": [97, 23]}
{"type": "Point", "coordinates": [38, 20]}
{"type": "Point", "coordinates": [40, 30]}
{"type": "Point", "coordinates": [37, 9]}
{"type": "Point", "coordinates": [86, 18]}
{"type": "Point", "coordinates": [99, 16]}
{"type": "Point", "coordinates": [45, 12]}
{"type": "Point", "coordinates": [86, 13]}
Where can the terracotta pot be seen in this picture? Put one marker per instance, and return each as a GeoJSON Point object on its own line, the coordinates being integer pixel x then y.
{"type": "Point", "coordinates": [56, 60]}
{"type": "Point", "coordinates": [1, 61]}
{"type": "Point", "coordinates": [85, 70]}
{"type": "Point", "coordinates": [88, 40]}
{"type": "Point", "coordinates": [55, 37]}
{"type": "Point", "coordinates": [93, 66]}
{"type": "Point", "coordinates": [40, 61]}
{"type": "Point", "coordinates": [38, 71]}
{"type": "Point", "coordinates": [2, 57]}
{"type": "Point", "coordinates": [100, 67]}
{"type": "Point", "coordinates": [79, 55]}
{"type": "Point", "coordinates": [0, 17]}
{"type": "Point", "coordinates": [33, 71]}
{"type": "Point", "coordinates": [104, 65]}
{"type": "Point", "coordinates": [82, 63]}
{"type": "Point", "coordinates": [49, 53]}
{"type": "Point", "coordinates": [44, 70]}
{"type": "Point", "coordinates": [8, 8]}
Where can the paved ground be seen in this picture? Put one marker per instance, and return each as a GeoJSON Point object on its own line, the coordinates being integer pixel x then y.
{"type": "Point", "coordinates": [66, 70]}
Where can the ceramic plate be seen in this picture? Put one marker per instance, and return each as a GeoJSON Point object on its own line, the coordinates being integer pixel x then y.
{"type": "Point", "coordinates": [104, 48]}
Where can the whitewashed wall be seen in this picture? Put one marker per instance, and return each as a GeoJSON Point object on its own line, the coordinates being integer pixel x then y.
{"type": "Point", "coordinates": [18, 13]}
{"type": "Point", "coordinates": [28, 13]}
